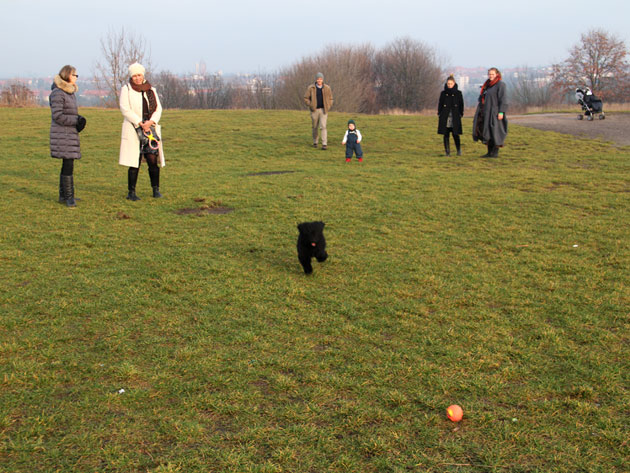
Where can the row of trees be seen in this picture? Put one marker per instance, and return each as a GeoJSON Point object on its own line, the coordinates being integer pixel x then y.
{"type": "Point", "coordinates": [406, 75]}
{"type": "Point", "coordinates": [17, 94]}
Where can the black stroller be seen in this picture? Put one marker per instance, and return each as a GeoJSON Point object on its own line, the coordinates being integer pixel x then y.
{"type": "Point", "coordinates": [590, 104]}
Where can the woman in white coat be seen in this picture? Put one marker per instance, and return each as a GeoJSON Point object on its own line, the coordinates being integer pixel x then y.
{"type": "Point", "coordinates": [141, 109]}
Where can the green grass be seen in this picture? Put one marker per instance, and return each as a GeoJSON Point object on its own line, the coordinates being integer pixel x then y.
{"type": "Point", "coordinates": [450, 280]}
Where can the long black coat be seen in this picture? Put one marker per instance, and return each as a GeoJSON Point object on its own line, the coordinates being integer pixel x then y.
{"type": "Point", "coordinates": [451, 101]}
{"type": "Point", "coordinates": [64, 137]}
{"type": "Point", "coordinates": [486, 124]}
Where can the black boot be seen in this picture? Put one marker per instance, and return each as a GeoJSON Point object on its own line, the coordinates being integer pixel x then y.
{"type": "Point", "coordinates": [459, 151]}
{"type": "Point", "coordinates": [154, 175]}
{"type": "Point", "coordinates": [495, 152]}
{"type": "Point", "coordinates": [489, 153]}
{"type": "Point", "coordinates": [132, 179]}
{"type": "Point", "coordinates": [67, 183]}
{"type": "Point", "coordinates": [62, 198]}
{"type": "Point", "coordinates": [447, 146]}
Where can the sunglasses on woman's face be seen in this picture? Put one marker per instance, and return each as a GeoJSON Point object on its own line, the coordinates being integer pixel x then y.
{"type": "Point", "coordinates": [76, 75]}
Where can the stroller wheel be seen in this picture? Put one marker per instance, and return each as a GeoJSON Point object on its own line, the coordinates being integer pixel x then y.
{"type": "Point", "coordinates": [590, 118]}
{"type": "Point", "coordinates": [602, 116]}
{"type": "Point", "coordinates": [580, 117]}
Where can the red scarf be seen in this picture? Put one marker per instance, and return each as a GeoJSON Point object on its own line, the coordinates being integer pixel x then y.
{"type": "Point", "coordinates": [146, 87]}
{"type": "Point", "coordinates": [487, 84]}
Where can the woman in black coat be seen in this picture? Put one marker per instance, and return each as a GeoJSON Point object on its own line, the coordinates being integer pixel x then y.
{"type": "Point", "coordinates": [64, 130]}
{"type": "Point", "coordinates": [451, 111]}
{"type": "Point", "coordinates": [490, 124]}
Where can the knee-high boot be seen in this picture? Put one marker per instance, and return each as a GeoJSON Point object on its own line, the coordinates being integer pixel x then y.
{"type": "Point", "coordinates": [447, 145]}
{"type": "Point", "coordinates": [62, 197]}
{"type": "Point", "coordinates": [458, 144]}
{"type": "Point", "coordinates": [154, 174]}
{"type": "Point", "coordinates": [132, 179]}
{"type": "Point", "coordinates": [67, 183]}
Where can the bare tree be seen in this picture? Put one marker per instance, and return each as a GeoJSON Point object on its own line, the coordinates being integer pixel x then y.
{"type": "Point", "coordinates": [264, 91]}
{"type": "Point", "coordinates": [293, 82]}
{"type": "Point", "coordinates": [210, 92]}
{"type": "Point", "coordinates": [532, 89]}
{"type": "Point", "coordinates": [119, 49]}
{"type": "Point", "coordinates": [407, 75]}
{"type": "Point", "coordinates": [174, 91]}
{"type": "Point", "coordinates": [350, 75]}
{"type": "Point", "coordinates": [17, 94]}
{"type": "Point", "coordinates": [347, 70]}
{"type": "Point", "coordinates": [598, 60]}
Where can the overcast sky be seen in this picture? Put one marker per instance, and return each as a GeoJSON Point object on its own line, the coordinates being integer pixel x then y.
{"type": "Point", "coordinates": [39, 36]}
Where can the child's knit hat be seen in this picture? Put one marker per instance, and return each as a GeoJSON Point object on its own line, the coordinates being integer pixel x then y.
{"type": "Point", "coordinates": [352, 121]}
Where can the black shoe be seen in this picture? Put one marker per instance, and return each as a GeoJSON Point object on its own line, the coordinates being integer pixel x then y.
{"type": "Point", "coordinates": [495, 152]}
{"type": "Point", "coordinates": [324, 147]}
{"type": "Point", "coordinates": [314, 145]}
{"type": "Point", "coordinates": [132, 195]}
{"type": "Point", "coordinates": [156, 192]}
{"type": "Point", "coordinates": [67, 183]}
{"type": "Point", "coordinates": [459, 151]}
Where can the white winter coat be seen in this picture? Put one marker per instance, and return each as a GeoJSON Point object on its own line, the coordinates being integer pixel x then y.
{"type": "Point", "coordinates": [131, 108]}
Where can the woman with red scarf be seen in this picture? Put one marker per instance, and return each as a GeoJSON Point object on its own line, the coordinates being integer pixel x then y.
{"type": "Point", "coordinates": [141, 109]}
{"type": "Point", "coordinates": [490, 122]}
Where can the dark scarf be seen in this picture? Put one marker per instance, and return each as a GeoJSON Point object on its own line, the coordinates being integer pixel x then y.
{"type": "Point", "coordinates": [146, 87]}
{"type": "Point", "coordinates": [487, 84]}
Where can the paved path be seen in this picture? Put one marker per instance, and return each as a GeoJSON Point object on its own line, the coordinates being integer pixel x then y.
{"type": "Point", "coordinates": [615, 127]}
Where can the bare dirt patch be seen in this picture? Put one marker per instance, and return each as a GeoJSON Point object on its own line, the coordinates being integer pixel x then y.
{"type": "Point", "coordinates": [614, 128]}
{"type": "Point", "coordinates": [269, 173]}
{"type": "Point", "coordinates": [213, 207]}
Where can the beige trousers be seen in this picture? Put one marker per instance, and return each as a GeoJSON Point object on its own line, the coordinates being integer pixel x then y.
{"type": "Point", "coordinates": [319, 121]}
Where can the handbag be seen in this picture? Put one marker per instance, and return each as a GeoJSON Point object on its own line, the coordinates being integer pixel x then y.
{"type": "Point", "coordinates": [149, 140]}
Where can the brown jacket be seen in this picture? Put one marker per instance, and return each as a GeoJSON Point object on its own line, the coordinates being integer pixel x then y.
{"type": "Point", "coordinates": [310, 97]}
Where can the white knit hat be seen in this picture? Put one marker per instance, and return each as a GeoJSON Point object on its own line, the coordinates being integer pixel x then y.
{"type": "Point", "coordinates": [136, 68]}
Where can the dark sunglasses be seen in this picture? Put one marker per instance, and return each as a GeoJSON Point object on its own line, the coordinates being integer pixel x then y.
{"type": "Point", "coordinates": [76, 75]}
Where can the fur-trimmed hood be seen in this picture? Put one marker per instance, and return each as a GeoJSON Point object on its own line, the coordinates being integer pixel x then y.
{"type": "Point", "coordinates": [64, 85]}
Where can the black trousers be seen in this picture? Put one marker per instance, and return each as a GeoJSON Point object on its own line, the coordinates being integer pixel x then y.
{"type": "Point", "coordinates": [447, 137]}
{"type": "Point", "coordinates": [67, 167]}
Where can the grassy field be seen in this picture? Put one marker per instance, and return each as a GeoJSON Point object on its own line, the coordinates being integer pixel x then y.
{"type": "Point", "coordinates": [500, 285]}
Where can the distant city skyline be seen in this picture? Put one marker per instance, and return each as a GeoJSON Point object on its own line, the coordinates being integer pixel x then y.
{"type": "Point", "coordinates": [469, 81]}
{"type": "Point", "coordinates": [250, 36]}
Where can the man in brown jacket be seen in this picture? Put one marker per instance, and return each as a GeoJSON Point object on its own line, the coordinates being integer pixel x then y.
{"type": "Point", "coordinates": [319, 99]}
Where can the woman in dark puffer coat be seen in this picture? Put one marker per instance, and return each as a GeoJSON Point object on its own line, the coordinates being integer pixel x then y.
{"type": "Point", "coordinates": [64, 130]}
{"type": "Point", "coordinates": [451, 110]}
